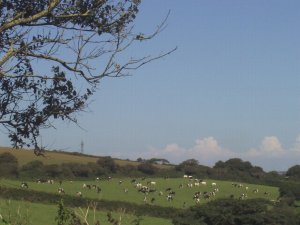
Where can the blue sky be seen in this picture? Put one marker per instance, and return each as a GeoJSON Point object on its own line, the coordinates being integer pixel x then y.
{"type": "Point", "coordinates": [232, 89]}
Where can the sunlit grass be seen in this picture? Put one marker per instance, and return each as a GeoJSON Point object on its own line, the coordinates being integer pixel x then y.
{"type": "Point", "coordinates": [43, 214]}
{"type": "Point", "coordinates": [24, 156]}
{"type": "Point", "coordinates": [112, 190]}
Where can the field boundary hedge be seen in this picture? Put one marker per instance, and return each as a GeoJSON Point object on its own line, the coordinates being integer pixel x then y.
{"type": "Point", "coordinates": [73, 201]}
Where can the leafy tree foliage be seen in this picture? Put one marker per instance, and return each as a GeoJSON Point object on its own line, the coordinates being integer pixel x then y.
{"type": "Point", "coordinates": [192, 167]}
{"type": "Point", "coordinates": [294, 171]}
{"type": "Point", "coordinates": [158, 161]}
{"type": "Point", "coordinates": [49, 52]}
{"type": "Point", "coordinates": [108, 164]}
{"type": "Point", "coordinates": [237, 168]}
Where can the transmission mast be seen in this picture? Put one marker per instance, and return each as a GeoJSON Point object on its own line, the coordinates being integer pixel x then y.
{"type": "Point", "coordinates": [81, 147]}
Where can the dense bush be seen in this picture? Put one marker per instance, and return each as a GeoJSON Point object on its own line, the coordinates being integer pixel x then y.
{"type": "Point", "coordinates": [8, 165]}
{"type": "Point", "coordinates": [79, 170]}
{"type": "Point", "coordinates": [108, 164]}
{"type": "Point", "coordinates": [33, 169]}
{"type": "Point", "coordinates": [147, 168]}
{"type": "Point", "coordinates": [237, 212]}
{"type": "Point", "coordinates": [53, 170]}
{"type": "Point", "coordinates": [290, 189]}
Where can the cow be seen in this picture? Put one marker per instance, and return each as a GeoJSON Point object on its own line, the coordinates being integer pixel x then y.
{"type": "Point", "coordinates": [138, 185]}
{"type": "Point", "coordinates": [24, 185]}
{"type": "Point", "coordinates": [79, 194]}
{"type": "Point", "coordinates": [197, 195]}
{"type": "Point", "coordinates": [189, 185]}
{"type": "Point", "coordinates": [169, 198]}
{"type": "Point", "coordinates": [152, 183]}
{"type": "Point", "coordinates": [40, 181]}
{"type": "Point", "coordinates": [216, 190]}
{"type": "Point", "coordinates": [144, 189]}
{"type": "Point", "coordinates": [213, 184]}
{"type": "Point", "coordinates": [61, 190]}
{"type": "Point", "coordinates": [50, 181]}
{"type": "Point", "coordinates": [243, 196]}
{"type": "Point", "coordinates": [197, 200]}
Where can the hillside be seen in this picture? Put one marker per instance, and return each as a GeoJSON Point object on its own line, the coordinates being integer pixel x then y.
{"type": "Point", "coordinates": [57, 157]}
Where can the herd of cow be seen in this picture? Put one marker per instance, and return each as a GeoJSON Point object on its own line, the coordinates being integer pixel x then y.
{"type": "Point", "coordinates": [146, 186]}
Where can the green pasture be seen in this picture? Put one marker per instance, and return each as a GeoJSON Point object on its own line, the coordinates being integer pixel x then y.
{"type": "Point", "coordinates": [113, 191]}
{"type": "Point", "coordinates": [37, 214]}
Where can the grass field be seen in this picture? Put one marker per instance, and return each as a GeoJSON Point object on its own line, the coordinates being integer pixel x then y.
{"type": "Point", "coordinates": [112, 190]}
{"type": "Point", "coordinates": [42, 214]}
{"type": "Point", "coordinates": [24, 156]}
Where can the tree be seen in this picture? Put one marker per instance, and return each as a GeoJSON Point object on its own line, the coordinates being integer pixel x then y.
{"type": "Point", "coordinates": [189, 166]}
{"type": "Point", "coordinates": [158, 161]}
{"type": "Point", "coordinates": [294, 171]}
{"type": "Point", "coordinates": [108, 164]}
{"type": "Point", "coordinates": [190, 162]}
{"type": "Point", "coordinates": [49, 52]}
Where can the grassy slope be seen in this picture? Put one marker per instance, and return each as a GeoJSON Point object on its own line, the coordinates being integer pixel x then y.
{"type": "Point", "coordinates": [112, 190]}
{"type": "Point", "coordinates": [48, 212]}
{"type": "Point", "coordinates": [25, 156]}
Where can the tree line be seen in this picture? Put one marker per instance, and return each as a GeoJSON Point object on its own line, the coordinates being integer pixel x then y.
{"type": "Point", "coordinates": [233, 169]}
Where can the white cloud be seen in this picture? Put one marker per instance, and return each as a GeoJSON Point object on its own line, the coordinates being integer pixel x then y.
{"type": "Point", "coordinates": [173, 149]}
{"type": "Point", "coordinates": [296, 147]}
{"type": "Point", "coordinates": [270, 154]}
{"type": "Point", "coordinates": [207, 151]}
{"type": "Point", "coordinates": [270, 147]}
